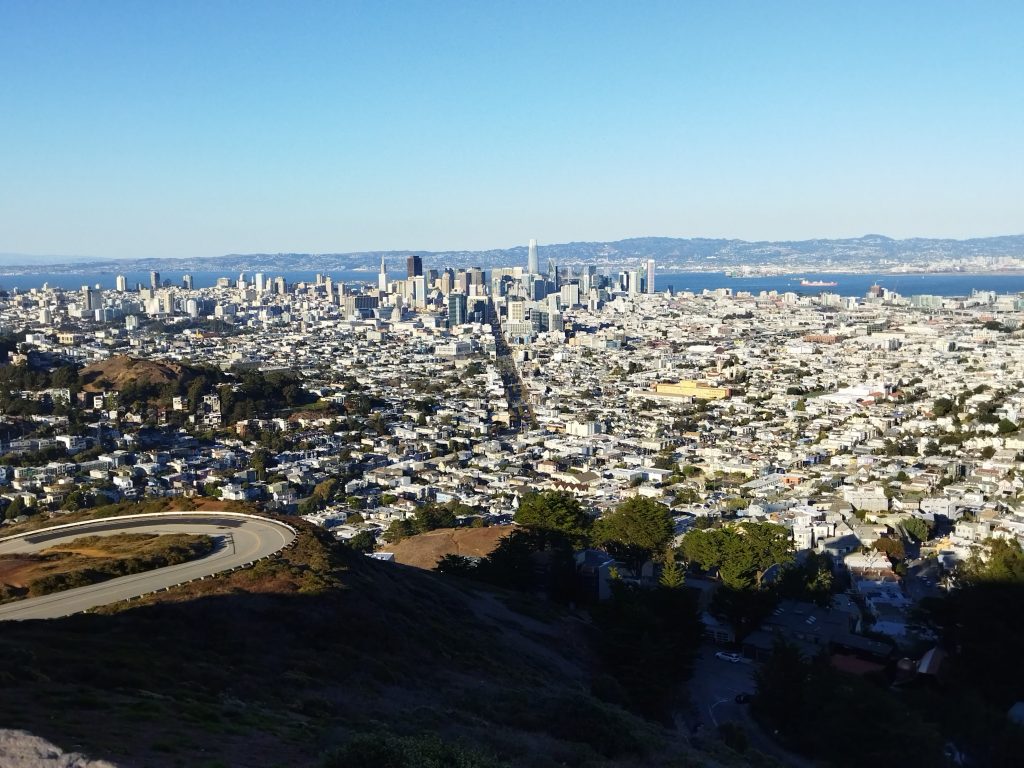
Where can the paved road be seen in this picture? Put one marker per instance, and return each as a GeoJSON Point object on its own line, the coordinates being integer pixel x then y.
{"type": "Point", "coordinates": [239, 540]}
{"type": "Point", "coordinates": [713, 691]}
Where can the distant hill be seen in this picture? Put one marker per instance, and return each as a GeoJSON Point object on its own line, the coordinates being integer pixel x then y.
{"type": "Point", "coordinates": [873, 250]}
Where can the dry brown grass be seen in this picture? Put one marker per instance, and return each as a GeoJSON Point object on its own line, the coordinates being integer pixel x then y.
{"type": "Point", "coordinates": [424, 549]}
{"type": "Point", "coordinates": [90, 559]}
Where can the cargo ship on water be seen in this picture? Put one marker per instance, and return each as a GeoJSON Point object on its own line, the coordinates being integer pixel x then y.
{"type": "Point", "coordinates": [818, 283]}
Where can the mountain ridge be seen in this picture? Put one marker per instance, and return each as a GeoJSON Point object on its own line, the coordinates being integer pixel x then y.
{"type": "Point", "coordinates": [696, 252]}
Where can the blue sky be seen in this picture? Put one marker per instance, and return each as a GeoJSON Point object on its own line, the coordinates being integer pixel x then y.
{"type": "Point", "coordinates": [202, 128]}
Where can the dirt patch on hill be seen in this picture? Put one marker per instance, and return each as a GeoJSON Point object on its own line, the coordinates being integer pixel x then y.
{"type": "Point", "coordinates": [424, 550]}
{"type": "Point", "coordinates": [12, 570]}
{"type": "Point", "coordinates": [117, 372]}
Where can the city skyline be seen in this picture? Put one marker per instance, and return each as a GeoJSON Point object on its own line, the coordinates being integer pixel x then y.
{"type": "Point", "coordinates": [199, 130]}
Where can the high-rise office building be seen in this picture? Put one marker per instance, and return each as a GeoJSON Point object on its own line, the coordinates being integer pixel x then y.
{"type": "Point", "coordinates": [553, 274]}
{"type": "Point", "coordinates": [532, 264]}
{"type": "Point", "coordinates": [516, 311]}
{"type": "Point", "coordinates": [419, 291]}
{"type": "Point", "coordinates": [121, 283]}
{"type": "Point", "coordinates": [457, 309]}
{"type": "Point", "coordinates": [186, 282]}
{"type": "Point", "coordinates": [91, 298]}
{"type": "Point", "coordinates": [154, 280]}
{"type": "Point", "coordinates": [413, 266]}
{"type": "Point", "coordinates": [382, 276]}
{"type": "Point", "coordinates": [588, 279]}
{"type": "Point", "coordinates": [650, 276]}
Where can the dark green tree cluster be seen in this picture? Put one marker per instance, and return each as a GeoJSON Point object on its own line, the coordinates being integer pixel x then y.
{"type": "Point", "coordinates": [638, 530]}
{"type": "Point", "coordinates": [916, 528]}
{"type": "Point", "coordinates": [323, 494]}
{"type": "Point", "coordinates": [646, 639]}
{"type": "Point", "coordinates": [539, 554]}
{"type": "Point", "coordinates": [811, 580]}
{"type": "Point", "coordinates": [740, 555]}
{"type": "Point", "coordinates": [1003, 563]}
{"type": "Point", "coordinates": [428, 517]}
{"type": "Point", "coordinates": [554, 515]}
{"type": "Point", "coordinates": [259, 395]}
{"type": "Point", "coordinates": [982, 630]}
{"type": "Point", "coordinates": [822, 713]}
{"type": "Point", "coordinates": [363, 542]}
{"type": "Point", "coordinates": [17, 378]}
{"type": "Point", "coordinates": [892, 547]}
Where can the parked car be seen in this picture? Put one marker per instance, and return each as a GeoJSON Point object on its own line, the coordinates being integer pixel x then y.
{"type": "Point", "coordinates": [730, 657]}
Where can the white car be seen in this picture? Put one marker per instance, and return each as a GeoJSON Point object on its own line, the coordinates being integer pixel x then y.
{"type": "Point", "coordinates": [731, 657]}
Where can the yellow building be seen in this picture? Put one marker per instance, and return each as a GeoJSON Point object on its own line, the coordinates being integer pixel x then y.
{"type": "Point", "coordinates": [698, 390]}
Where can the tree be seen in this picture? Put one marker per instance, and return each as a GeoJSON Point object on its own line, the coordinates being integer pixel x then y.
{"type": "Point", "coordinates": [672, 576]}
{"type": "Point", "coordinates": [455, 565]}
{"type": "Point", "coordinates": [15, 508]}
{"type": "Point", "coordinates": [398, 530]}
{"type": "Point", "coordinates": [637, 529]}
{"type": "Point", "coordinates": [196, 390]}
{"type": "Point", "coordinates": [363, 542]}
{"type": "Point", "coordinates": [740, 554]}
{"type": "Point", "coordinates": [810, 580]}
{"type": "Point", "coordinates": [554, 512]}
{"type": "Point", "coordinates": [916, 528]}
{"type": "Point", "coordinates": [78, 499]}
{"type": "Point", "coordinates": [646, 640]}
{"type": "Point", "coordinates": [1003, 563]}
{"type": "Point", "coordinates": [511, 563]}
{"type": "Point", "coordinates": [812, 707]}
{"type": "Point", "coordinates": [893, 548]}
{"type": "Point", "coordinates": [1006, 427]}
{"type": "Point", "coordinates": [430, 517]}
{"type": "Point", "coordinates": [260, 461]}
{"type": "Point", "coordinates": [942, 406]}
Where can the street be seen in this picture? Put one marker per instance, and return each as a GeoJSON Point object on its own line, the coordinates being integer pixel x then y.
{"type": "Point", "coordinates": [713, 690]}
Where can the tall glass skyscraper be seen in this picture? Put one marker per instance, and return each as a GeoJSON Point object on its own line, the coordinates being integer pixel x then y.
{"type": "Point", "coordinates": [532, 264]}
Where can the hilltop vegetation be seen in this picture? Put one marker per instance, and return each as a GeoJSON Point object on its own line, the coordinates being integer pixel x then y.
{"type": "Point", "coordinates": [296, 660]}
{"type": "Point", "coordinates": [92, 559]}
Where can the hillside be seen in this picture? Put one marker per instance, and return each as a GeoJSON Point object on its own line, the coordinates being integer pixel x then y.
{"type": "Point", "coordinates": [424, 549]}
{"type": "Point", "coordinates": [121, 372]}
{"type": "Point", "coordinates": [278, 664]}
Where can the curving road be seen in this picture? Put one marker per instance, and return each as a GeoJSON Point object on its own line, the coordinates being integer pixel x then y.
{"type": "Point", "coordinates": [239, 539]}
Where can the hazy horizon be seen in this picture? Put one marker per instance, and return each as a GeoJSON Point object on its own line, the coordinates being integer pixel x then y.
{"type": "Point", "coordinates": [43, 259]}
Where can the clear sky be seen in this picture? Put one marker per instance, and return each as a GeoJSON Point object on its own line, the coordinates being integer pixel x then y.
{"type": "Point", "coordinates": [202, 128]}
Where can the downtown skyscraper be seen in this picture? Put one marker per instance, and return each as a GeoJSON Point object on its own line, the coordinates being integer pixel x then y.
{"type": "Point", "coordinates": [532, 263]}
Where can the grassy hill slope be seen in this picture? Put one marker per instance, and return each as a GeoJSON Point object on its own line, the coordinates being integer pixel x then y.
{"type": "Point", "coordinates": [281, 663]}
